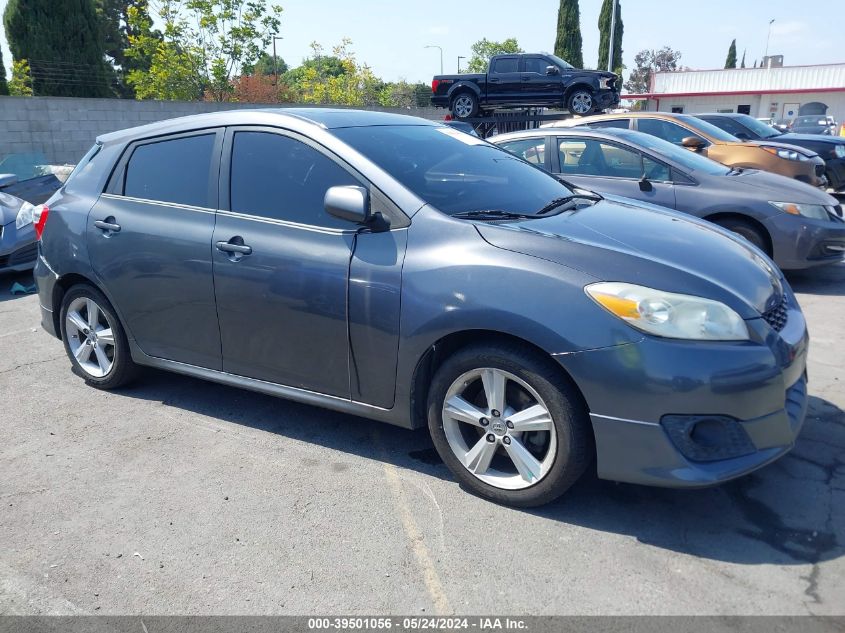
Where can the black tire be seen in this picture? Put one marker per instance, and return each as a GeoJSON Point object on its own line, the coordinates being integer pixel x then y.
{"type": "Point", "coordinates": [464, 105]}
{"type": "Point", "coordinates": [574, 443]}
{"type": "Point", "coordinates": [748, 231]}
{"type": "Point", "coordinates": [581, 102]}
{"type": "Point", "coordinates": [123, 369]}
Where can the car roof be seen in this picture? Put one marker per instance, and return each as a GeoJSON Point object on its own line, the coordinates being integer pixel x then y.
{"type": "Point", "coordinates": [631, 137]}
{"type": "Point", "coordinates": [326, 118]}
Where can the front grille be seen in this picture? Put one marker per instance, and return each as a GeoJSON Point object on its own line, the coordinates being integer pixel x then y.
{"type": "Point", "coordinates": [776, 317]}
{"type": "Point", "coordinates": [820, 170]}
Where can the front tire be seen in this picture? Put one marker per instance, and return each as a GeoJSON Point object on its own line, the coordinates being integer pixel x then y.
{"type": "Point", "coordinates": [509, 426]}
{"type": "Point", "coordinates": [465, 106]}
{"type": "Point", "coordinates": [748, 231]}
{"type": "Point", "coordinates": [94, 339]}
{"type": "Point", "coordinates": [581, 102]}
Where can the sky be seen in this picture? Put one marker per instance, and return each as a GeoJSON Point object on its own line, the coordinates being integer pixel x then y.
{"type": "Point", "coordinates": [390, 36]}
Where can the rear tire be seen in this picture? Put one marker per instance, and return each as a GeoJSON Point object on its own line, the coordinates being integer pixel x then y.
{"type": "Point", "coordinates": [94, 339]}
{"type": "Point", "coordinates": [748, 231]}
{"type": "Point", "coordinates": [464, 106]}
{"type": "Point", "coordinates": [529, 452]}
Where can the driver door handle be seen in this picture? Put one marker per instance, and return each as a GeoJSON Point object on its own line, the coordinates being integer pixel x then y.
{"type": "Point", "coordinates": [229, 247]}
{"type": "Point", "coordinates": [107, 226]}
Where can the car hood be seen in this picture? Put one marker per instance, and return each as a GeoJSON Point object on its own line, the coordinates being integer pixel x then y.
{"type": "Point", "coordinates": [9, 206]}
{"type": "Point", "coordinates": [618, 239]}
{"type": "Point", "coordinates": [773, 187]}
{"type": "Point", "coordinates": [816, 138]}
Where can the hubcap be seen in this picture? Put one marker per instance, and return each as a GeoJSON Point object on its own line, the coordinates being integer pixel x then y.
{"type": "Point", "coordinates": [90, 337]}
{"type": "Point", "coordinates": [512, 450]}
{"type": "Point", "coordinates": [582, 102]}
{"type": "Point", "coordinates": [463, 106]}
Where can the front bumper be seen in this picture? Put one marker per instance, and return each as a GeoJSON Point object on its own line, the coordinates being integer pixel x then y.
{"type": "Point", "coordinates": [607, 99]}
{"type": "Point", "coordinates": [18, 248]}
{"type": "Point", "coordinates": [800, 242]}
{"type": "Point", "coordinates": [635, 391]}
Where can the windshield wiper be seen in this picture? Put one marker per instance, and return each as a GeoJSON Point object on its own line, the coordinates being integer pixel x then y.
{"type": "Point", "coordinates": [491, 214]}
{"type": "Point", "coordinates": [559, 202]}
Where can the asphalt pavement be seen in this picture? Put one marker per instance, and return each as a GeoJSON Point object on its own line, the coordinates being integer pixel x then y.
{"type": "Point", "coordinates": [177, 496]}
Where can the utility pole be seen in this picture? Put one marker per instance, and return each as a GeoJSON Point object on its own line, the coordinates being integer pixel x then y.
{"type": "Point", "coordinates": [460, 57]}
{"type": "Point", "coordinates": [275, 65]}
{"type": "Point", "coordinates": [612, 37]}
{"type": "Point", "coordinates": [441, 54]}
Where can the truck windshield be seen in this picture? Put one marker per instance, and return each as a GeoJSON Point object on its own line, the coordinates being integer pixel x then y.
{"type": "Point", "coordinates": [453, 171]}
{"type": "Point", "coordinates": [557, 60]}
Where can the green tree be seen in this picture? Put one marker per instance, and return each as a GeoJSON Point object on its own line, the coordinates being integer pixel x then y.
{"type": "Point", "coordinates": [730, 62]}
{"type": "Point", "coordinates": [63, 42]}
{"type": "Point", "coordinates": [568, 41]}
{"type": "Point", "coordinates": [21, 83]}
{"type": "Point", "coordinates": [4, 87]}
{"type": "Point", "coordinates": [605, 19]}
{"type": "Point", "coordinates": [646, 63]}
{"type": "Point", "coordinates": [264, 65]}
{"type": "Point", "coordinates": [742, 64]}
{"type": "Point", "coordinates": [484, 49]}
{"type": "Point", "coordinates": [357, 85]}
{"type": "Point", "coordinates": [116, 32]}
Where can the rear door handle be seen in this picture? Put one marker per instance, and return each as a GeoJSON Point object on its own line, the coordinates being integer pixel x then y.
{"type": "Point", "coordinates": [107, 226]}
{"type": "Point", "coordinates": [526, 78]}
{"type": "Point", "coordinates": [494, 81]}
{"type": "Point", "coordinates": [229, 247]}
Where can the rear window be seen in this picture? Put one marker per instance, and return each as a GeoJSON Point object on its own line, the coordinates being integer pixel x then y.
{"type": "Point", "coordinates": [506, 65]}
{"type": "Point", "coordinates": [175, 170]}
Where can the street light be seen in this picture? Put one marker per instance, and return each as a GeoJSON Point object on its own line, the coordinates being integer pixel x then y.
{"type": "Point", "coordinates": [768, 37]}
{"type": "Point", "coordinates": [441, 54]}
{"type": "Point", "coordinates": [460, 57]}
{"type": "Point", "coordinates": [275, 65]}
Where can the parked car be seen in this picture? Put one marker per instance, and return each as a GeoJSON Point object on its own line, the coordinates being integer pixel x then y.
{"type": "Point", "coordinates": [798, 226]}
{"type": "Point", "coordinates": [30, 177]}
{"type": "Point", "coordinates": [699, 136]}
{"type": "Point", "coordinates": [814, 124]}
{"type": "Point", "coordinates": [830, 148]}
{"type": "Point", "coordinates": [526, 80]}
{"type": "Point", "coordinates": [784, 125]}
{"type": "Point", "coordinates": [401, 270]}
{"type": "Point", "coordinates": [18, 248]}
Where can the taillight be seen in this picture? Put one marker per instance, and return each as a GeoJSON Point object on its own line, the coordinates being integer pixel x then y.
{"type": "Point", "coordinates": [39, 219]}
{"type": "Point", "coordinates": [434, 84]}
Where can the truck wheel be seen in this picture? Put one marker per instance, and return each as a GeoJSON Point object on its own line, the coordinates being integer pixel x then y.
{"type": "Point", "coordinates": [581, 102]}
{"type": "Point", "coordinates": [465, 106]}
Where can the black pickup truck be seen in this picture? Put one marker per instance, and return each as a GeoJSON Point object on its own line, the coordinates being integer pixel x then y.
{"type": "Point", "coordinates": [526, 80]}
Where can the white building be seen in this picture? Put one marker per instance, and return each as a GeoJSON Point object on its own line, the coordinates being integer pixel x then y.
{"type": "Point", "coordinates": [779, 93]}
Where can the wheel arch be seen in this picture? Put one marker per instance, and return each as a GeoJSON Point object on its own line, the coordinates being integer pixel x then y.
{"type": "Point", "coordinates": [443, 348]}
{"type": "Point", "coordinates": [744, 217]}
{"type": "Point", "coordinates": [576, 86]}
{"type": "Point", "coordinates": [460, 87]}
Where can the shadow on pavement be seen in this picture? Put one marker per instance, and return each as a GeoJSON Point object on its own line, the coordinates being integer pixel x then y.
{"type": "Point", "coordinates": [7, 280]}
{"type": "Point", "coordinates": [783, 514]}
{"type": "Point", "coordinates": [824, 280]}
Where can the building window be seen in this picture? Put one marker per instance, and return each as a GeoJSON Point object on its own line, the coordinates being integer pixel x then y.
{"type": "Point", "coordinates": [744, 109]}
{"type": "Point", "coordinates": [725, 111]}
{"type": "Point", "coordinates": [677, 109]}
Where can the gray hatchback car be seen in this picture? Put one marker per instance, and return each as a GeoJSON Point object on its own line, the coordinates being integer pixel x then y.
{"type": "Point", "coordinates": [799, 226]}
{"type": "Point", "coordinates": [404, 271]}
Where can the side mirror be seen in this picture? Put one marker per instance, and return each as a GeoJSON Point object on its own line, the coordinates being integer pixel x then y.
{"type": "Point", "coordinates": [7, 180]}
{"type": "Point", "coordinates": [645, 184]}
{"type": "Point", "coordinates": [348, 203]}
{"type": "Point", "coordinates": [552, 70]}
{"type": "Point", "coordinates": [693, 142]}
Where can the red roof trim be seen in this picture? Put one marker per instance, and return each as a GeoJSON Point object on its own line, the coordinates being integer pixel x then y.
{"type": "Point", "coordinates": [660, 95]}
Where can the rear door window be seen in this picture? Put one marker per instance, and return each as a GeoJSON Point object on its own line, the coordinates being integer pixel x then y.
{"type": "Point", "coordinates": [506, 65]}
{"type": "Point", "coordinates": [622, 124]}
{"type": "Point", "coordinates": [176, 171]}
{"type": "Point", "coordinates": [666, 130]}
{"type": "Point", "coordinates": [532, 150]}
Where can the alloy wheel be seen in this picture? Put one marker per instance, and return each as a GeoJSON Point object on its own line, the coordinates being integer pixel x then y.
{"type": "Point", "coordinates": [499, 428]}
{"type": "Point", "coordinates": [463, 106]}
{"type": "Point", "coordinates": [582, 102]}
{"type": "Point", "coordinates": [90, 336]}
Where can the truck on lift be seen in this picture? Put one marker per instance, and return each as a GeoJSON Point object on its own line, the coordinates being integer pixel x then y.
{"type": "Point", "coordinates": [530, 80]}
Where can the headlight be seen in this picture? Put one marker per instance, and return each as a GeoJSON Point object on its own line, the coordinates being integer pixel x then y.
{"type": "Point", "coordinates": [24, 215]}
{"type": "Point", "coordinates": [668, 314]}
{"type": "Point", "coordinates": [604, 83]}
{"type": "Point", "coordinates": [839, 150]}
{"type": "Point", "coordinates": [786, 154]}
{"type": "Point", "coordinates": [815, 211]}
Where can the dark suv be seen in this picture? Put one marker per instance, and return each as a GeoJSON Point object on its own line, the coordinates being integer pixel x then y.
{"type": "Point", "coordinates": [405, 271]}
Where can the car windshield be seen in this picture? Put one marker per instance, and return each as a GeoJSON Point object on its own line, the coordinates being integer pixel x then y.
{"type": "Point", "coordinates": [683, 157]}
{"type": "Point", "coordinates": [758, 127]}
{"type": "Point", "coordinates": [453, 171]}
{"type": "Point", "coordinates": [708, 129]}
{"type": "Point", "coordinates": [810, 121]}
{"type": "Point", "coordinates": [560, 62]}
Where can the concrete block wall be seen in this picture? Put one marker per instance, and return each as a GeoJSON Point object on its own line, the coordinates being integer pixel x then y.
{"type": "Point", "coordinates": [62, 129]}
